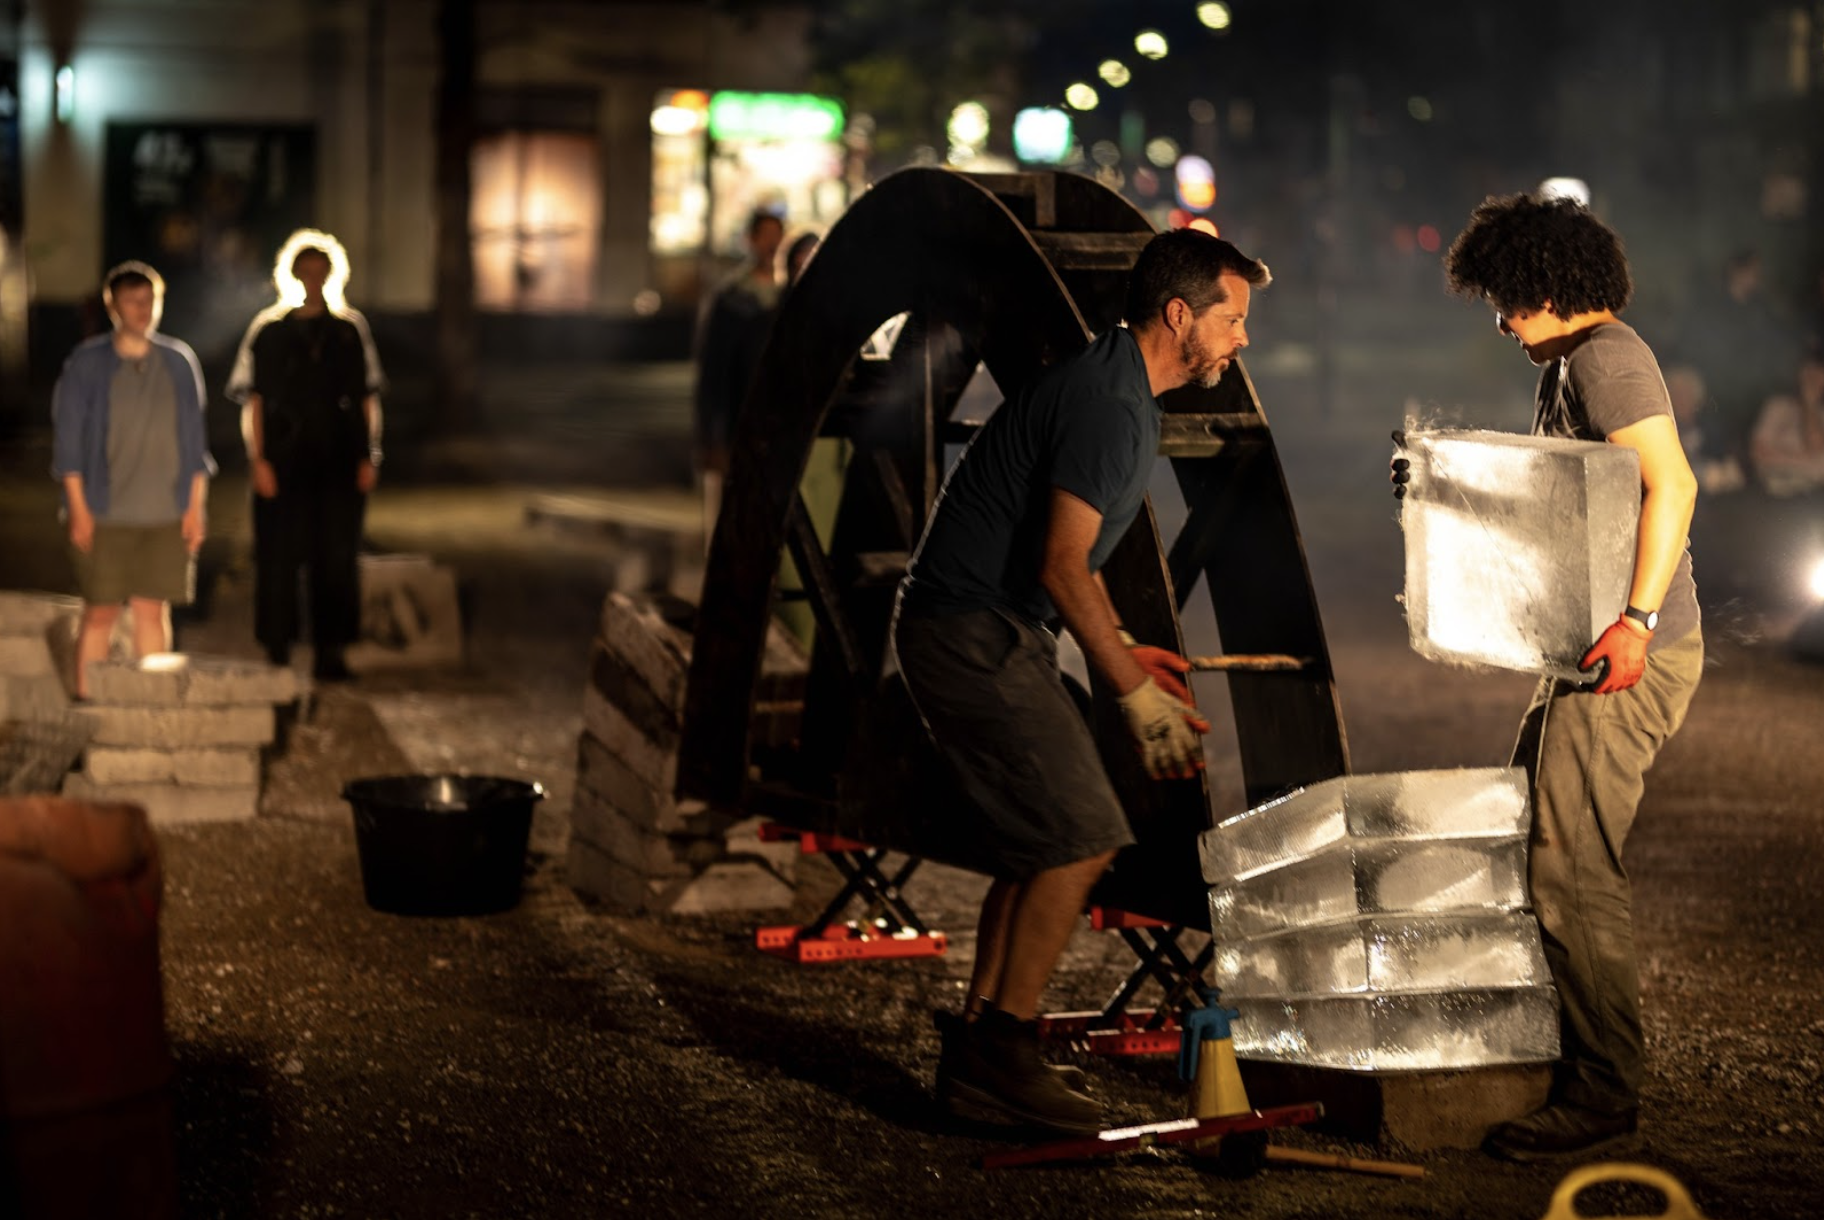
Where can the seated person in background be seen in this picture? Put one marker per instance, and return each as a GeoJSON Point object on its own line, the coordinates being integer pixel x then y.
{"type": "Point", "coordinates": [1685, 388]}
{"type": "Point", "coordinates": [1788, 440]}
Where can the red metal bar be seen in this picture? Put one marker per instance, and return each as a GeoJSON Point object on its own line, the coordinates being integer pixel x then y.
{"type": "Point", "coordinates": [1179, 1131]}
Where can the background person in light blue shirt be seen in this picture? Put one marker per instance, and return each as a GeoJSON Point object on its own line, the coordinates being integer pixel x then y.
{"type": "Point", "coordinates": [129, 447]}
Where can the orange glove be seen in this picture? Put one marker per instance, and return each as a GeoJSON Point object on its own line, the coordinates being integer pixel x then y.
{"type": "Point", "coordinates": [1622, 655]}
{"type": "Point", "coordinates": [1163, 666]}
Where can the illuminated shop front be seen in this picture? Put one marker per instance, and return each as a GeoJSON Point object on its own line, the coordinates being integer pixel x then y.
{"type": "Point", "coordinates": [718, 156]}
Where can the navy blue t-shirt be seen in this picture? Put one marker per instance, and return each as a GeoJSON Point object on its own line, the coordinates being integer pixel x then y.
{"type": "Point", "coordinates": [1089, 426]}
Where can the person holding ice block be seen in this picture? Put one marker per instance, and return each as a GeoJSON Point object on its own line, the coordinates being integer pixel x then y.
{"type": "Point", "coordinates": [1556, 277]}
{"type": "Point", "coordinates": [1016, 544]}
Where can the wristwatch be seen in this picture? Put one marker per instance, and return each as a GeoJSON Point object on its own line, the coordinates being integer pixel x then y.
{"type": "Point", "coordinates": [1646, 618]}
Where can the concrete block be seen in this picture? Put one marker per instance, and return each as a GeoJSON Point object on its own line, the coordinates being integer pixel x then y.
{"type": "Point", "coordinates": [26, 656]}
{"type": "Point", "coordinates": [656, 716]}
{"type": "Point", "coordinates": [593, 872]}
{"type": "Point", "coordinates": [1419, 1111]}
{"type": "Point", "coordinates": [180, 727]}
{"type": "Point", "coordinates": [35, 614]}
{"type": "Point", "coordinates": [601, 772]}
{"type": "Point", "coordinates": [170, 804]}
{"type": "Point", "coordinates": [40, 697]}
{"type": "Point", "coordinates": [226, 681]}
{"type": "Point", "coordinates": [189, 768]}
{"type": "Point", "coordinates": [134, 684]}
{"type": "Point", "coordinates": [654, 856]}
{"type": "Point", "coordinates": [733, 885]}
{"type": "Point", "coordinates": [410, 615]}
{"type": "Point", "coordinates": [743, 839]}
{"type": "Point", "coordinates": [632, 631]}
{"type": "Point", "coordinates": [654, 762]}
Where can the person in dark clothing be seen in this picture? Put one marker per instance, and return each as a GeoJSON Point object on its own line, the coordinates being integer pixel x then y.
{"type": "Point", "coordinates": [309, 382]}
{"type": "Point", "coordinates": [731, 334]}
{"type": "Point", "coordinates": [1016, 544]}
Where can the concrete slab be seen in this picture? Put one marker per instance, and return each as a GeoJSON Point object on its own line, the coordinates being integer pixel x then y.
{"type": "Point", "coordinates": [1419, 1111]}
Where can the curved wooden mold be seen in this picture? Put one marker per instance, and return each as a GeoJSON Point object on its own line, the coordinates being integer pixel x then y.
{"type": "Point", "coordinates": [1011, 272]}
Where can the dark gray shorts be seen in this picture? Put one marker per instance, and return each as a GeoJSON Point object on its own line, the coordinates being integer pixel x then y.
{"type": "Point", "coordinates": [988, 688]}
{"type": "Point", "coordinates": [128, 561]}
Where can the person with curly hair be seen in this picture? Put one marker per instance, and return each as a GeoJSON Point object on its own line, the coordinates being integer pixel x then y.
{"type": "Point", "coordinates": [1556, 277]}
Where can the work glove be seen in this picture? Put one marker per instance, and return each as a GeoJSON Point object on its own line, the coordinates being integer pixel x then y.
{"type": "Point", "coordinates": [1400, 469]}
{"type": "Point", "coordinates": [1163, 666]}
{"type": "Point", "coordinates": [1618, 658]}
{"type": "Point", "coordinates": [1166, 731]}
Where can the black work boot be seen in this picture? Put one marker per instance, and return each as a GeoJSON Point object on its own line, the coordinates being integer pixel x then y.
{"type": "Point", "coordinates": [1562, 1131]}
{"type": "Point", "coordinates": [999, 1077]}
{"type": "Point", "coordinates": [951, 1030]}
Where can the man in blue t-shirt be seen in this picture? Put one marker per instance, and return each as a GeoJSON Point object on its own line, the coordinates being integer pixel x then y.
{"type": "Point", "coordinates": [1015, 544]}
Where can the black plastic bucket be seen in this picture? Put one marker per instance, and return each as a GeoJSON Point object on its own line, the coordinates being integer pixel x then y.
{"type": "Point", "coordinates": [442, 844]}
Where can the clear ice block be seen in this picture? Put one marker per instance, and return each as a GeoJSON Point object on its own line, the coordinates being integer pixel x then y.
{"type": "Point", "coordinates": [1519, 549]}
{"type": "Point", "coordinates": [1453, 1029]}
{"type": "Point", "coordinates": [1385, 954]}
{"type": "Point", "coordinates": [1470, 803]}
{"type": "Point", "coordinates": [1374, 877]}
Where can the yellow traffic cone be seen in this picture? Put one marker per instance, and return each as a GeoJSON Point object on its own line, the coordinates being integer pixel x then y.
{"type": "Point", "coordinates": [1206, 1058]}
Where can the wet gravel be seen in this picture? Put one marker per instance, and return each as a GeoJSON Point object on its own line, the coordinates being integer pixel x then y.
{"type": "Point", "coordinates": [562, 1060]}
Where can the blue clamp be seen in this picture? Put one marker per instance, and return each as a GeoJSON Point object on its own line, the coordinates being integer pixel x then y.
{"type": "Point", "coordinates": [1200, 1025]}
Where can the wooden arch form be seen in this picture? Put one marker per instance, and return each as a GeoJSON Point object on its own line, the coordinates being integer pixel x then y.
{"type": "Point", "coordinates": [1012, 272]}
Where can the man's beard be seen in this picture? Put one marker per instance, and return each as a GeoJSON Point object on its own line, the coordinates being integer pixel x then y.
{"type": "Point", "coordinates": [1203, 368]}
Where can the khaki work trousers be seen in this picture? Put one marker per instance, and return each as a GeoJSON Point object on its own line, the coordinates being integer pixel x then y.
{"type": "Point", "coordinates": [1587, 756]}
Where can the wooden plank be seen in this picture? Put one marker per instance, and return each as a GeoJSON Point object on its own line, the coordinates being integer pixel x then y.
{"type": "Point", "coordinates": [821, 589]}
{"type": "Point", "coordinates": [1091, 251]}
{"type": "Point", "coordinates": [1186, 435]}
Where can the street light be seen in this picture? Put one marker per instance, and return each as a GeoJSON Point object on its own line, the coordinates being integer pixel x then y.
{"type": "Point", "coordinates": [1215, 15]}
{"type": "Point", "coordinates": [1151, 44]}
{"type": "Point", "coordinates": [1114, 72]}
{"type": "Point", "coordinates": [1079, 96]}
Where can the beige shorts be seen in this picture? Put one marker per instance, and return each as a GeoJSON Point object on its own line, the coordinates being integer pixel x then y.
{"type": "Point", "coordinates": [128, 561]}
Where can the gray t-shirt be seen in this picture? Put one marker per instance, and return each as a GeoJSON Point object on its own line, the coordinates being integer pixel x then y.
{"type": "Point", "coordinates": [1609, 381]}
{"type": "Point", "coordinates": [142, 443]}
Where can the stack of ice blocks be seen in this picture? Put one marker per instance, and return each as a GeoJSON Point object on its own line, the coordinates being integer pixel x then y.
{"type": "Point", "coordinates": [1519, 549]}
{"type": "Point", "coordinates": [1376, 921]}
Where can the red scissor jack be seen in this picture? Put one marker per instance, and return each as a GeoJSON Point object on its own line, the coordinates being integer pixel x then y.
{"type": "Point", "coordinates": [890, 928]}
{"type": "Point", "coordinates": [1117, 1029]}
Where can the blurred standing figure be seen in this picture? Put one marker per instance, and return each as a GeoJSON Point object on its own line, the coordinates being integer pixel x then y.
{"type": "Point", "coordinates": [1556, 277]}
{"type": "Point", "coordinates": [129, 447]}
{"type": "Point", "coordinates": [309, 382]}
{"type": "Point", "coordinates": [1744, 354]}
{"type": "Point", "coordinates": [732, 333]}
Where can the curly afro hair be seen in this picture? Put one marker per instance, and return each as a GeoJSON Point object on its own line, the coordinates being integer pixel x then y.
{"type": "Point", "coordinates": [1521, 252]}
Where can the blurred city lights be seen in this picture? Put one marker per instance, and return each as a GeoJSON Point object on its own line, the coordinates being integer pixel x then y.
{"type": "Point", "coordinates": [1816, 581]}
{"type": "Point", "coordinates": [774, 116]}
{"type": "Point", "coordinates": [1151, 44]}
{"type": "Point", "coordinates": [1196, 182]}
{"type": "Point", "coordinates": [1041, 134]}
{"type": "Point", "coordinates": [1419, 108]}
{"type": "Point", "coordinates": [1114, 72]}
{"type": "Point", "coordinates": [1215, 15]}
{"type": "Point", "coordinates": [1566, 188]}
{"type": "Point", "coordinates": [673, 119]}
{"type": "Point", "coordinates": [969, 124]}
{"type": "Point", "coordinates": [66, 93]}
{"type": "Point", "coordinates": [1202, 110]}
{"type": "Point", "coordinates": [1429, 239]}
{"type": "Point", "coordinates": [1080, 96]}
{"type": "Point", "coordinates": [1105, 152]}
{"type": "Point", "coordinates": [1162, 151]}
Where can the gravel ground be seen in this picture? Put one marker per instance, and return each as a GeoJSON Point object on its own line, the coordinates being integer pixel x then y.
{"type": "Point", "coordinates": [560, 1060]}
